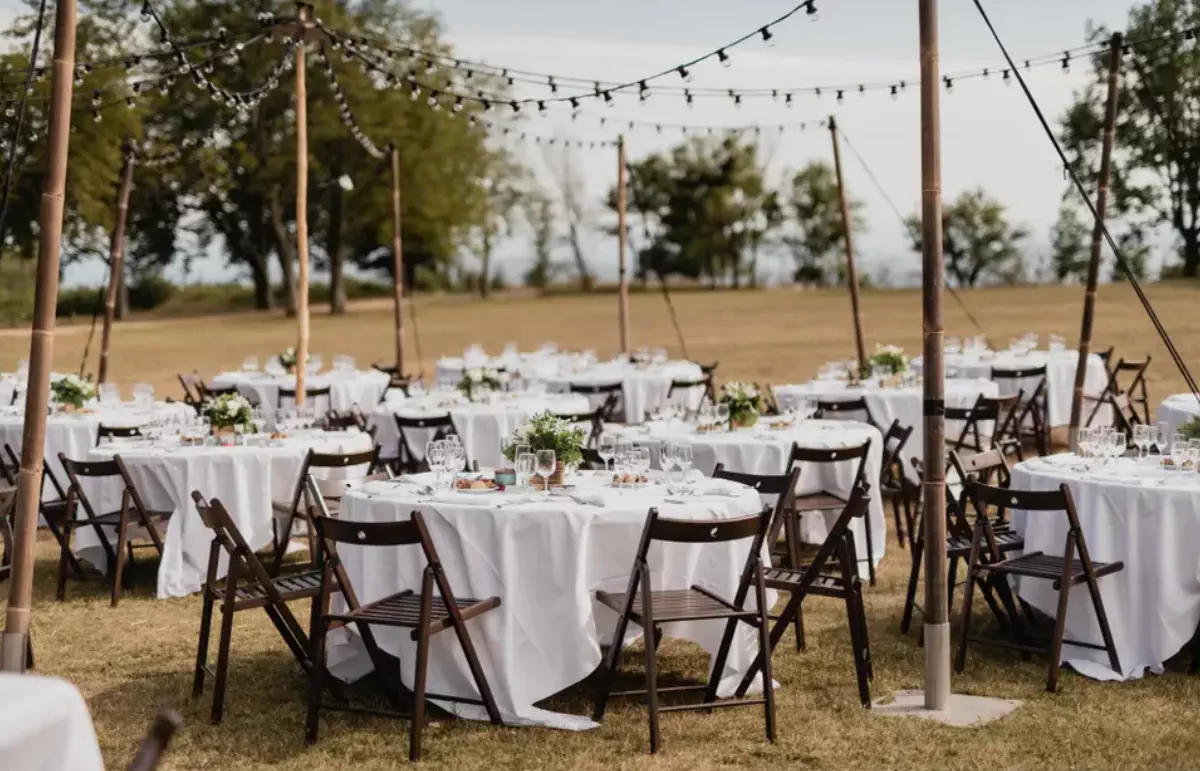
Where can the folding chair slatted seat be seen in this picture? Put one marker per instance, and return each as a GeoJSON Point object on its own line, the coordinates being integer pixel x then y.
{"type": "Point", "coordinates": [424, 614]}
{"type": "Point", "coordinates": [1033, 414]}
{"type": "Point", "coordinates": [1072, 568]}
{"type": "Point", "coordinates": [894, 484]}
{"type": "Point", "coordinates": [832, 572]}
{"type": "Point", "coordinates": [246, 586]}
{"type": "Point", "coordinates": [827, 501]}
{"type": "Point", "coordinates": [407, 461]}
{"type": "Point", "coordinates": [1130, 404]}
{"type": "Point", "coordinates": [116, 432]}
{"type": "Point", "coordinates": [133, 520]}
{"type": "Point", "coordinates": [648, 608]}
{"type": "Point", "coordinates": [847, 409]}
{"type": "Point", "coordinates": [301, 504]}
{"type": "Point", "coordinates": [613, 398]}
{"type": "Point", "coordinates": [989, 467]}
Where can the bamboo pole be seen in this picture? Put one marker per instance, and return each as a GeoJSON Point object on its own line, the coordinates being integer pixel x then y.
{"type": "Point", "coordinates": [116, 262]}
{"type": "Point", "coordinates": [41, 347]}
{"type": "Point", "coordinates": [398, 261]}
{"type": "Point", "coordinates": [851, 271]}
{"type": "Point", "coordinates": [303, 22]}
{"type": "Point", "coordinates": [1093, 274]}
{"type": "Point", "coordinates": [937, 617]}
{"type": "Point", "coordinates": [622, 238]}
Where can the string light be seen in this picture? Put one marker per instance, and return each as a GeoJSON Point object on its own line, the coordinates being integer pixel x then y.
{"type": "Point", "coordinates": [683, 73]}
{"type": "Point", "coordinates": [723, 58]}
{"type": "Point", "coordinates": [767, 37]}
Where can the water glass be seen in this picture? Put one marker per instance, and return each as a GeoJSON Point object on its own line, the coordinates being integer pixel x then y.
{"type": "Point", "coordinates": [110, 394]}
{"type": "Point", "coordinates": [683, 459]}
{"type": "Point", "coordinates": [721, 415]}
{"type": "Point", "coordinates": [641, 460]}
{"type": "Point", "coordinates": [526, 464]}
{"type": "Point", "coordinates": [546, 463]}
{"type": "Point", "coordinates": [666, 456]}
{"type": "Point", "coordinates": [1179, 450]}
{"type": "Point", "coordinates": [606, 449]}
{"type": "Point", "coordinates": [1142, 437]}
{"type": "Point", "coordinates": [1194, 453]}
{"type": "Point", "coordinates": [435, 457]}
{"type": "Point", "coordinates": [1118, 444]}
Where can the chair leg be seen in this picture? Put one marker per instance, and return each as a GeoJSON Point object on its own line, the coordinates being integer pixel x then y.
{"type": "Point", "coordinates": [798, 624]}
{"type": "Point", "coordinates": [422, 665]}
{"type": "Point", "coordinates": [896, 519]}
{"type": "Point", "coordinates": [960, 658]}
{"type": "Point", "coordinates": [481, 683]}
{"type": "Point", "coordinates": [60, 591]}
{"type": "Point", "coordinates": [910, 596]}
{"type": "Point", "coordinates": [610, 668]}
{"type": "Point", "coordinates": [857, 644]}
{"type": "Point", "coordinates": [764, 650]}
{"type": "Point", "coordinates": [223, 643]}
{"type": "Point", "coordinates": [1105, 631]}
{"type": "Point", "coordinates": [1060, 628]}
{"type": "Point", "coordinates": [951, 580]}
{"type": "Point", "coordinates": [651, 669]}
{"type": "Point", "coordinates": [312, 722]}
{"type": "Point", "coordinates": [870, 550]}
{"type": "Point", "coordinates": [119, 573]}
{"type": "Point", "coordinates": [206, 612]}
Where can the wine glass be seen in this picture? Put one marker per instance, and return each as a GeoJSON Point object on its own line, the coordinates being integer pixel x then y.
{"type": "Point", "coordinates": [546, 463]}
{"type": "Point", "coordinates": [1118, 444]}
{"type": "Point", "coordinates": [683, 459]}
{"type": "Point", "coordinates": [526, 464]}
{"type": "Point", "coordinates": [721, 414]}
{"type": "Point", "coordinates": [666, 456]}
{"type": "Point", "coordinates": [1142, 438]}
{"type": "Point", "coordinates": [456, 454]}
{"type": "Point", "coordinates": [607, 449]}
{"type": "Point", "coordinates": [435, 457]}
{"type": "Point", "coordinates": [259, 419]}
{"type": "Point", "coordinates": [1179, 450]}
{"type": "Point", "coordinates": [1162, 434]}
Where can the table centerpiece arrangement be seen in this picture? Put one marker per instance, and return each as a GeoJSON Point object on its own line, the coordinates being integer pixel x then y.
{"type": "Point", "coordinates": [478, 381]}
{"type": "Point", "coordinates": [71, 392]}
{"type": "Point", "coordinates": [227, 414]}
{"type": "Point", "coordinates": [287, 359]}
{"type": "Point", "coordinates": [744, 402]}
{"type": "Point", "coordinates": [546, 431]}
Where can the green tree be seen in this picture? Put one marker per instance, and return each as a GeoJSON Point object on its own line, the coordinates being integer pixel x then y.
{"type": "Point", "coordinates": [978, 240]}
{"type": "Point", "coordinates": [819, 233]}
{"type": "Point", "coordinates": [539, 213]}
{"type": "Point", "coordinates": [1070, 245]}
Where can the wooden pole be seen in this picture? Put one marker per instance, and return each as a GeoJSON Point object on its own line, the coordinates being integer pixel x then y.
{"type": "Point", "coordinates": [41, 347]}
{"type": "Point", "coordinates": [851, 271]}
{"type": "Point", "coordinates": [304, 21]}
{"type": "Point", "coordinates": [116, 263]}
{"type": "Point", "coordinates": [1093, 274]}
{"type": "Point", "coordinates": [398, 261]}
{"type": "Point", "coordinates": [622, 238]}
{"type": "Point", "coordinates": [937, 617]}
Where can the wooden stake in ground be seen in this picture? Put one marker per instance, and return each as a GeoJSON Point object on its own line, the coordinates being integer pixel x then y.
{"type": "Point", "coordinates": [622, 237]}
{"type": "Point", "coordinates": [937, 617]}
{"type": "Point", "coordinates": [851, 271]}
{"type": "Point", "coordinates": [116, 263]}
{"type": "Point", "coordinates": [304, 22]}
{"type": "Point", "coordinates": [397, 261]}
{"type": "Point", "coordinates": [1093, 274]}
{"type": "Point", "coordinates": [41, 347]}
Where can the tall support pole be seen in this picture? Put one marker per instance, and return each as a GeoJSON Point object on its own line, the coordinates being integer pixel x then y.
{"type": "Point", "coordinates": [303, 23]}
{"type": "Point", "coordinates": [937, 616]}
{"type": "Point", "coordinates": [1093, 274]}
{"type": "Point", "coordinates": [398, 261]}
{"type": "Point", "coordinates": [622, 239]}
{"type": "Point", "coordinates": [116, 260]}
{"type": "Point", "coordinates": [851, 271]}
{"type": "Point", "coordinates": [41, 347]}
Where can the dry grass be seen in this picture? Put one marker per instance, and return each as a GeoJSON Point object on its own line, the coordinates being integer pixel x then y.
{"type": "Point", "coordinates": [130, 660]}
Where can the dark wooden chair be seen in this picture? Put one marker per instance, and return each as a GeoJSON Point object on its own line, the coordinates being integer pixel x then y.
{"type": "Point", "coordinates": [246, 586]}
{"type": "Point", "coordinates": [592, 460]}
{"type": "Point", "coordinates": [1033, 414]}
{"type": "Point", "coordinates": [831, 572]}
{"type": "Point", "coordinates": [1130, 403]}
{"type": "Point", "coordinates": [1001, 412]}
{"type": "Point", "coordinates": [611, 395]}
{"type": "Point", "coordinates": [848, 409]}
{"type": "Point", "coordinates": [209, 392]}
{"type": "Point", "coordinates": [423, 614]}
{"type": "Point", "coordinates": [116, 432]}
{"type": "Point", "coordinates": [314, 396]}
{"type": "Point", "coordinates": [407, 461]}
{"type": "Point", "coordinates": [53, 510]}
{"type": "Point", "coordinates": [892, 482]}
{"type": "Point", "coordinates": [827, 501]}
{"type": "Point", "coordinates": [193, 389]}
{"type": "Point", "coordinates": [300, 505]}
{"type": "Point", "coordinates": [985, 564]}
{"type": "Point", "coordinates": [989, 467]}
{"type": "Point", "coordinates": [704, 383]}
{"type": "Point", "coordinates": [778, 492]}
{"type": "Point", "coordinates": [593, 420]}
{"type": "Point", "coordinates": [133, 520]}
{"type": "Point", "coordinates": [639, 601]}
{"type": "Point", "coordinates": [166, 724]}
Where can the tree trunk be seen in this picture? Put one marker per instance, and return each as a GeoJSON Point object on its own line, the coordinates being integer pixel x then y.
{"type": "Point", "coordinates": [333, 246]}
{"type": "Point", "coordinates": [285, 253]}
{"type": "Point", "coordinates": [585, 276]}
{"type": "Point", "coordinates": [485, 267]}
{"type": "Point", "coordinates": [1191, 253]}
{"type": "Point", "coordinates": [261, 277]}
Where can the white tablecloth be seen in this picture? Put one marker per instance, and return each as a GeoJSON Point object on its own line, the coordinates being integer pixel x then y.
{"type": "Point", "coordinates": [643, 389]}
{"type": "Point", "coordinates": [763, 451]}
{"type": "Point", "coordinates": [45, 726]}
{"type": "Point", "coordinates": [1147, 518]}
{"type": "Point", "coordinates": [545, 560]}
{"type": "Point", "coordinates": [483, 426]}
{"type": "Point", "coordinates": [538, 365]}
{"type": "Point", "coordinates": [1060, 377]}
{"type": "Point", "coordinates": [1176, 410]}
{"type": "Point", "coordinates": [362, 389]}
{"type": "Point", "coordinates": [245, 479]}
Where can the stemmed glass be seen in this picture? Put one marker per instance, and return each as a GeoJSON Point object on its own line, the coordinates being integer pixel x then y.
{"type": "Point", "coordinates": [250, 364]}
{"type": "Point", "coordinates": [641, 462]}
{"type": "Point", "coordinates": [1179, 450]}
{"type": "Point", "coordinates": [435, 456]}
{"type": "Point", "coordinates": [1117, 444]}
{"type": "Point", "coordinates": [666, 457]}
{"type": "Point", "coordinates": [607, 449]}
{"type": "Point", "coordinates": [546, 463]}
{"type": "Point", "coordinates": [456, 454]}
{"type": "Point", "coordinates": [683, 459]}
{"type": "Point", "coordinates": [721, 413]}
{"type": "Point", "coordinates": [1142, 437]}
{"type": "Point", "coordinates": [1194, 453]}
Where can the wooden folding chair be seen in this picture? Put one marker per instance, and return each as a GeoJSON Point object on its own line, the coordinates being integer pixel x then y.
{"type": "Point", "coordinates": [686, 385]}
{"type": "Point", "coordinates": [1131, 403]}
{"type": "Point", "coordinates": [133, 520]}
{"type": "Point", "coordinates": [893, 483]}
{"type": "Point", "coordinates": [310, 394]}
{"type": "Point", "coordinates": [407, 461]}
{"type": "Point", "coordinates": [827, 501]}
{"type": "Point", "coordinates": [210, 392]}
{"type": "Point", "coordinates": [848, 409]}
{"type": "Point", "coordinates": [53, 511]}
{"type": "Point", "coordinates": [616, 409]}
{"type": "Point", "coordinates": [1033, 414]}
{"type": "Point", "coordinates": [594, 420]}
{"type": "Point", "coordinates": [1001, 412]}
{"type": "Point", "coordinates": [166, 724]}
{"type": "Point", "coordinates": [638, 602]}
{"type": "Point", "coordinates": [116, 432]}
{"type": "Point", "coordinates": [823, 577]}
{"type": "Point", "coordinates": [423, 614]}
{"type": "Point", "coordinates": [193, 389]}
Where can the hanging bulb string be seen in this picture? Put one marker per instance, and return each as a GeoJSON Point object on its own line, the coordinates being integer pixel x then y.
{"type": "Point", "coordinates": [347, 114]}
{"type": "Point", "coordinates": [15, 145]}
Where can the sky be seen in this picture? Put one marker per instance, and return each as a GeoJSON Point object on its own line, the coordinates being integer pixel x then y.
{"type": "Point", "coordinates": [990, 136]}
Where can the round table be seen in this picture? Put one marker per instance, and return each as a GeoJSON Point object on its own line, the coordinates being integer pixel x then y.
{"type": "Point", "coordinates": [1142, 515]}
{"type": "Point", "coordinates": [245, 479]}
{"type": "Point", "coordinates": [357, 388]}
{"type": "Point", "coordinates": [1060, 377]}
{"type": "Point", "coordinates": [766, 451]}
{"type": "Point", "coordinates": [484, 426]}
{"type": "Point", "coordinates": [537, 365]}
{"type": "Point", "coordinates": [545, 557]}
{"type": "Point", "coordinates": [1177, 410]}
{"type": "Point", "coordinates": [644, 388]}
{"type": "Point", "coordinates": [45, 726]}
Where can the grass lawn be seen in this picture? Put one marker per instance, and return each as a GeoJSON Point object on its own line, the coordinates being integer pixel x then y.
{"type": "Point", "coordinates": [132, 660]}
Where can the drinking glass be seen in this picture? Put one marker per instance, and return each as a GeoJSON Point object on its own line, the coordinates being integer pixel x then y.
{"type": "Point", "coordinates": [606, 449]}
{"type": "Point", "coordinates": [683, 459]}
{"type": "Point", "coordinates": [622, 449]}
{"type": "Point", "coordinates": [1085, 442]}
{"type": "Point", "coordinates": [1161, 436]}
{"type": "Point", "coordinates": [641, 461]}
{"type": "Point", "coordinates": [666, 456]}
{"type": "Point", "coordinates": [546, 463]}
{"type": "Point", "coordinates": [110, 394]}
{"type": "Point", "coordinates": [435, 456]}
{"type": "Point", "coordinates": [526, 463]}
{"type": "Point", "coordinates": [1193, 455]}
{"type": "Point", "coordinates": [1118, 444]}
{"type": "Point", "coordinates": [456, 454]}
{"type": "Point", "coordinates": [1141, 438]}
{"type": "Point", "coordinates": [1179, 445]}
{"type": "Point", "coordinates": [721, 415]}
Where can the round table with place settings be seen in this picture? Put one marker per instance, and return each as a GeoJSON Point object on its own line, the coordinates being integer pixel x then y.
{"type": "Point", "coordinates": [246, 479]}
{"type": "Point", "coordinates": [644, 388]}
{"type": "Point", "coordinates": [1177, 410]}
{"type": "Point", "coordinates": [348, 389]}
{"type": "Point", "coordinates": [1132, 511]}
{"type": "Point", "coordinates": [544, 557]}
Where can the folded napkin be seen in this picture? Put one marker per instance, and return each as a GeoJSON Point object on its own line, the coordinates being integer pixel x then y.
{"type": "Point", "coordinates": [587, 499]}
{"type": "Point", "coordinates": [719, 492]}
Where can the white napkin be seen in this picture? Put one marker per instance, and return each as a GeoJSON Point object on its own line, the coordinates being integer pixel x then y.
{"type": "Point", "coordinates": [587, 499]}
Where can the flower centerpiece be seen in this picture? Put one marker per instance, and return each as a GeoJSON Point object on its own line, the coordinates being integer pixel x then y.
{"type": "Point", "coordinates": [72, 392]}
{"type": "Point", "coordinates": [889, 358]}
{"type": "Point", "coordinates": [287, 359]}
{"type": "Point", "coordinates": [227, 413]}
{"type": "Point", "coordinates": [744, 402]}
{"type": "Point", "coordinates": [547, 431]}
{"type": "Point", "coordinates": [479, 380]}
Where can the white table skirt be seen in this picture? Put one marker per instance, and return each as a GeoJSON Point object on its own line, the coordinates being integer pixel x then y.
{"type": "Point", "coordinates": [484, 427]}
{"type": "Point", "coordinates": [1060, 377]}
{"type": "Point", "coordinates": [1153, 605]}
{"type": "Point", "coordinates": [545, 560]}
{"type": "Point", "coordinates": [1176, 410]}
{"type": "Point", "coordinates": [766, 452]}
{"type": "Point", "coordinates": [45, 726]}
{"type": "Point", "coordinates": [362, 389]}
{"type": "Point", "coordinates": [245, 479]}
{"type": "Point", "coordinates": [643, 390]}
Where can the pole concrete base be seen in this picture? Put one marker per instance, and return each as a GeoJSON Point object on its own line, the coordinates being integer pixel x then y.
{"type": "Point", "coordinates": [12, 652]}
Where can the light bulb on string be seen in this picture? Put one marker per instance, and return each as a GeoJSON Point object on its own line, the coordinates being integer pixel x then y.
{"type": "Point", "coordinates": [788, 101]}
{"type": "Point", "coordinates": [541, 107]}
{"type": "Point", "coordinates": [683, 73]}
{"type": "Point", "coordinates": [415, 94]}
{"type": "Point", "coordinates": [767, 37]}
{"type": "Point", "coordinates": [688, 95]}
{"type": "Point", "coordinates": [516, 106]}
{"type": "Point", "coordinates": [608, 100]}
{"type": "Point", "coordinates": [817, 91]}
{"type": "Point", "coordinates": [810, 8]}
{"type": "Point", "coordinates": [841, 96]}
{"type": "Point", "coordinates": [458, 104]}
{"type": "Point", "coordinates": [1007, 78]}
{"type": "Point", "coordinates": [553, 85]}
{"type": "Point", "coordinates": [723, 57]}
{"type": "Point", "coordinates": [949, 84]}
{"type": "Point", "coordinates": [1066, 62]}
{"type": "Point", "coordinates": [862, 90]}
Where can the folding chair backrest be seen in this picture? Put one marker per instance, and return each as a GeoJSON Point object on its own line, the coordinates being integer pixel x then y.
{"type": "Point", "coordinates": [289, 394]}
{"type": "Point", "coordinates": [592, 460]}
{"type": "Point", "coordinates": [343, 421]}
{"type": "Point", "coordinates": [193, 392]}
{"type": "Point", "coordinates": [988, 467]}
{"type": "Point", "coordinates": [116, 432]}
{"type": "Point", "coordinates": [709, 530]}
{"type": "Point", "coordinates": [212, 392]}
{"type": "Point", "coordinates": [338, 531]}
{"type": "Point", "coordinates": [833, 409]}
{"type": "Point", "coordinates": [1004, 376]}
{"type": "Point", "coordinates": [595, 420]}
{"type": "Point", "coordinates": [589, 389]}
{"type": "Point", "coordinates": [894, 442]}
{"type": "Point", "coordinates": [782, 487]}
{"type": "Point", "coordinates": [833, 455]}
